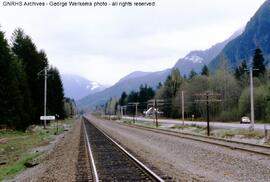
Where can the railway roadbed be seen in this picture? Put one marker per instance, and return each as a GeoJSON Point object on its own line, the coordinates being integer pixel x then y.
{"type": "Point", "coordinates": [234, 145]}
{"type": "Point", "coordinates": [111, 161]}
{"type": "Point", "coordinates": [185, 159]}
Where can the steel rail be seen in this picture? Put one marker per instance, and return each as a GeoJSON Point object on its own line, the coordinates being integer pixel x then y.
{"type": "Point", "coordinates": [215, 141]}
{"type": "Point", "coordinates": [92, 161]}
{"type": "Point", "coordinates": [130, 156]}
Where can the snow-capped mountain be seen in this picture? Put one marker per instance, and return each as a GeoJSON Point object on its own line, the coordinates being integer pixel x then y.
{"type": "Point", "coordinates": [77, 87]}
{"type": "Point", "coordinates": [196, 59]}
{"type": "Point", "coordinates": [132, 81]}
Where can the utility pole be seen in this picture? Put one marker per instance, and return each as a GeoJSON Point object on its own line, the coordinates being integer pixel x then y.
{"type": "Point", "coordinates": [207, 111]}
{"type": "Point", "coordinates": [136, 109]}
{"type": "Point", "coordinates": [207, 101]}
{"type": "Point", "coordinates": [251, 98]}
{"type": "Point", "coordinates": [45, 74]}
{"type": "Point", "coordinates": [155, 103]}
{"type": "Point", "coordinates": [183, 108]}
{"type": "Point", "coordinates": [121, 111]}
{"type": "Point", "coordinates": [45, 95]}
{"type": "Point", "coordinates": [156, 112]}
{"type": "Point", "coordinates": [252, 114]}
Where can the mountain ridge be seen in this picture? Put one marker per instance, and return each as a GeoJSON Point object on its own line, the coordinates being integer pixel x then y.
{"type": "Point", "coordinates": [77, 87]}
{"type": "Point", "coordinates": [131, 83]}
{"type": "Point", "coordinates": [198, 58]}
{"type": "Point", "coordinates": [255, 35]}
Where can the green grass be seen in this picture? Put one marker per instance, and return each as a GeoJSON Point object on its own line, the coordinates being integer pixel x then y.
{"type": "Point", "coordinates": [221, 133]}
{"type": "Point", "coordinates": [9, 171]}
{"type": "Point", "coordinates": [240, 132]}
{"type": "Point", "coordinates": [17, 147]}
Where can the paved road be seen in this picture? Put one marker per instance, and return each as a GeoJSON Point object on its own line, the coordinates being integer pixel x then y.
{"type": "Point", "coordinates": [258, 127]}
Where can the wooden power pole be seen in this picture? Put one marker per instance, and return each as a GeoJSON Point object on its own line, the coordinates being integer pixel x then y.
{"type": "Point", "coordinates": [207, 98]}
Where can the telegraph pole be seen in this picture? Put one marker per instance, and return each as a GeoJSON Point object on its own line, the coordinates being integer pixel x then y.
{"type": "Point", "coordinates": [207, 101]}
{"type": "Point", "coordinates": [45, 74]}
{"type": "Point", "coordinates": [207, 111]}
{"type": "Point", "coordinates": [252, 115]}
{"type": "Point", "coordinates": [136, 109]}
{"type": "Point", "coordinates": [251, 99]}
{"type": "Point", "coordinates": [156, 113]}
{"type": "Point", "coordinates": [155, 103]}
{"type": "Point", "coordinates": [45, 95]}
{"type": "Point", "coordinates": [183, 108]}
{"type": "Point", "coordinates": [121, 111]}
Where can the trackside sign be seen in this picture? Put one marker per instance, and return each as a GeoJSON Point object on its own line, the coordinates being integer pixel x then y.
{"type": "Point", "coordinates": [47, 117]}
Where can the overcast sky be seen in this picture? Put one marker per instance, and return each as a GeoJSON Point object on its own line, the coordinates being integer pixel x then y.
{"type": "Point", "coordinates": [104, 44]}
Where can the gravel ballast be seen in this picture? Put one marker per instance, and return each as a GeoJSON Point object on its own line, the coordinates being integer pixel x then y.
{"type": "Point", "coordinates": [59, 161]}
{"type": "Point", "coordinates": [187, 160]}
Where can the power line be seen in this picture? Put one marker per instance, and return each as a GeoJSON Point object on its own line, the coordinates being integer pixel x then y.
{"type": "Point", "coordinates": [209, 98]}
{"type": "Point", "coordinates": [44, 73]}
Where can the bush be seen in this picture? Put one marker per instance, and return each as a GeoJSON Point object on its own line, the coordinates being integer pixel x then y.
{"type": "Point", "coordinates": [232, 115]}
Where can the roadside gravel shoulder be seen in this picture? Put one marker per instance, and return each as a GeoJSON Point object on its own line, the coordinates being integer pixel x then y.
{"type": "Point", "coordinates": [59, 161]}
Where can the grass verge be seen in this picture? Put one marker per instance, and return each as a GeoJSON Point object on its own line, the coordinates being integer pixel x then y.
{"type": "Point", "coordinates": [17, 148]}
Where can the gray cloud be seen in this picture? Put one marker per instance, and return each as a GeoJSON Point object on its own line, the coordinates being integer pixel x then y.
{"type": "Point", "coordinates": [80, 39]}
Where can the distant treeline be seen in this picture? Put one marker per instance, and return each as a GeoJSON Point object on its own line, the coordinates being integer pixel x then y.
{"type": "Point", "coordinates": [229, 92]}
{"type": "Point", "coordinates": [21, 89]}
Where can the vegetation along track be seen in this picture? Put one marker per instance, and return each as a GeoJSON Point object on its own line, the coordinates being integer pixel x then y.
{"type": "Point", "coordinates": [234, 145]}
{"type": "Point", "coordinates": [111, 162]}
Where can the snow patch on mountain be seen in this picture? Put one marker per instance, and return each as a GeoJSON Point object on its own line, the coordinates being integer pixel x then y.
{"type": "Point", "coordinates": [194, 59]}
{"type": "Point", "coordinates": [95, 85]}
{"type": "Point", "coordinates": [78, 87]}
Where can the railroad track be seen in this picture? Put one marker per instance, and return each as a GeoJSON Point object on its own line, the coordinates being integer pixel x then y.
{"type": "Point", "coordinates": [110, 161]}
{"type": "Point", "coordinates": [234, 145]}
{"type": "Point", "coordinates": [83, 163]}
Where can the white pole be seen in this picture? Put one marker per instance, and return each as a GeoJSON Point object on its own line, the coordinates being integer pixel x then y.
{"type": "Point", "coordinates": [251, 99]}
{"type": "Point", "coordinates": [183, 108]}
{"type": "Point", "coordinates": [45, 94]}
{"type": "Point", "coordinates": [136, 111]}
{"type": "Point", "coordinates": [121, 110]}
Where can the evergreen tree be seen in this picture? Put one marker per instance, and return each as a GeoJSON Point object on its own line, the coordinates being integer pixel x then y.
{"type": "Point", "coordinates": [32, 62]}
{"type": "Point", "coordinates": [241, 70]}
{"type": "Point", "coordinates": [258, 63]}
{"type": "Point", "coordinates": [55, 93]}
{"type": "Point", "coordinates": [159, 85]}
{"type": "Point", "coordinates": [12, 113]}
{"type": "Point", "coordinates": [205, 71]}
{"type": "Point", "coordinates": [192, 74]}
{"type": "Point", "coordinates": [145, 93]}
{"type": "Point", "coordinates": [123, 99]}
{"type": "Point", "coordinates": [26, 114]}
{"type": "Point", "coordinates": [132, 97]}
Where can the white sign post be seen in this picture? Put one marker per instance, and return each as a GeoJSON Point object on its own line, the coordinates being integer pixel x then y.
{"type": "Point", "coordinates": [47, 117]}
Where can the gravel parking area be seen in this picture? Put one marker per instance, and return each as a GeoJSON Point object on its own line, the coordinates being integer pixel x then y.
{"type": "Point", "coordinates": [60, 160]}
{"type": "Point", "coordinates": [187, 160]}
